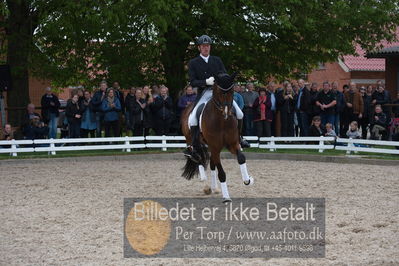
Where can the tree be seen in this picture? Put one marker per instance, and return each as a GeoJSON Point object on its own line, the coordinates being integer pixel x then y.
{"type": "Point", "coordinates": [138, 42]}
{"type": "Point", "coordinates": [20, 24]}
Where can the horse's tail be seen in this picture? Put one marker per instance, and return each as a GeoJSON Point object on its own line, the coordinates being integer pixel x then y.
{"type": "Point", "coordinates": [191, 169]}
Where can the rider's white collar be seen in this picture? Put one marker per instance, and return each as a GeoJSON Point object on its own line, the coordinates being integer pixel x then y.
{"type": "Point", "coordinates": [205, 58]}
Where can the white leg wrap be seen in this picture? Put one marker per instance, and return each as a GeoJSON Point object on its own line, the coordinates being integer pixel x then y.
{"type": "Point", "coordinates": [192, 119]}
{"type": "Point", "coordinates": [244, 172]}
{"type": "Point", "coordinates": [202, 173]}
{"type": "Point", "coordinates": [214, 181]}
{"type": "Point", "coordinates": [225, 191]}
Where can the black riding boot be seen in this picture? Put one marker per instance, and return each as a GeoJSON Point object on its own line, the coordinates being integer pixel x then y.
{"type": "Point", "coordinates": [243, 142]}
{"type": "Point", "coordinates": [193, 153]}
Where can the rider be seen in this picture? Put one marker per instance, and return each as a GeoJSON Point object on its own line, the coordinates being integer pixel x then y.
{"type": "Point", "coordinates": [202, 71]}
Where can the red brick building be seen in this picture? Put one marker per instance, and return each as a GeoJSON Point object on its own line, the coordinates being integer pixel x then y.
{"type": "Point", "coordinates": [359, 69]}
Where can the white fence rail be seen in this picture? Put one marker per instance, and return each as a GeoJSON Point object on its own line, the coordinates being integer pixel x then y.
{"type": "Point", "coordinates": [312, 143]}
{"type": "Point", "coordinates": [52, 146]}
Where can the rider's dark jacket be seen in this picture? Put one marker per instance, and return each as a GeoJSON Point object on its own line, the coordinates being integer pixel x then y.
{"type": "Point", "coordinates": [199, 71]}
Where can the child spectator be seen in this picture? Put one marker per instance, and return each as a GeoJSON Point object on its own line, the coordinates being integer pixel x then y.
{"type": "Point", "coordinates": [316, 129]}
{"type": "Point", "coordinates": [330, 131]}
{"type": "Point", "coordinates": [353, 131]}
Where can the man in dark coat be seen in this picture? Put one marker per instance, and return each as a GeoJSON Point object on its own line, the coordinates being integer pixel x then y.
{"type": "Point", "coordinates": [202, 71]}
{"type": "Point", "coordinates": [302, 105]}
{"type": "Point", "coordinates": [50, 111]}
{"type": "Point", "coordinates": [163, 112]}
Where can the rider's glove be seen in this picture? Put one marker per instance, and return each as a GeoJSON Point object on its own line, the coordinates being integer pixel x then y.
{"type": "Point", "coordinates": [210, 81]}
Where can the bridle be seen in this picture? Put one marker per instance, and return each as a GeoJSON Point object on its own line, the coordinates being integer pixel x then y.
{"type": "Point", "coordinates": [226, 106]}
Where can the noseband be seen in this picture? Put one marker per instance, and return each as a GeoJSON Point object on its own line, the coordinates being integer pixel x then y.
{"type": "Point", "coordinates": [226, 106]}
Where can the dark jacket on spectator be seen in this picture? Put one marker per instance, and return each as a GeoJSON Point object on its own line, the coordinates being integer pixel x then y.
{"type": "Point", "coordinates": [73, 109]}
{"type": "Point", "coordinates": [340, 106]}
{"type": "Point", "coordinates": [305, 100]}
{"type": "Point", "coordinates": [137, 114]}
{"type": "Point", "coordinates": [26, 120]}
{"type": "Point", "coordinates": [315, 132]}
{"type": "Point", "coordinates": [97, 101]}
{"type": "Point", "coordinates": [34, 131]}
{"type": "Point", "coordinates": [381, 98]}
{"type": "Point", "coordinates": [47, 108]}
{"type": "Point", "coordinates": [285, 105]}
{"type": "Point", "coordinates": [120, 95]}
{"type": "Point", "coordinates": [367, 106]}
{"type": "Point", "coordinates": [382, 119]}
{"type": "Point", "coordinates": [163, 108]}
{"type": "Point", "coordinates": [257, 110]}
{"type": "Point", "coordinates": [128, 101]}
{"type": "Point", "coordinates": [313, 108]}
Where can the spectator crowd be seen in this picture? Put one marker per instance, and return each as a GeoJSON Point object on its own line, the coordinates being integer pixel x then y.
{"type": "Point", "coordinates": [296, 108]}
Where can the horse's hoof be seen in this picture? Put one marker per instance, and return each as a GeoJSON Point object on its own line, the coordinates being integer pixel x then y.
{"type": "Point", "coordinates": [250, 182]}
{"type": "Point", "coordinates": [216, 190]}
{"type": "Point", "coordinates": [226, 200]}
{"type": "Point", "coordinates": [207, 190]}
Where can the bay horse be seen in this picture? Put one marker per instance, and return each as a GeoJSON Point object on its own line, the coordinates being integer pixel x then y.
{"type": "Point", "coordinates": [219, 129]}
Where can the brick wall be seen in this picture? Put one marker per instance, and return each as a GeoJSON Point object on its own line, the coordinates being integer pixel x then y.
{"type": "Point", "coordinates": [331, 72]}
{"type": "Point", "coordinates": [334, 72]}
{"type": "Point", "coordinates": [37, 89]}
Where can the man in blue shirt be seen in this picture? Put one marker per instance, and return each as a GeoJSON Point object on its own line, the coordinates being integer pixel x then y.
{"type": "Point", "coordinates": [237, 96]}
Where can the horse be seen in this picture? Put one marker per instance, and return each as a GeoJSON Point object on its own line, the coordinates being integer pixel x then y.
{"type": "Point", "coordinates": [219, 129]}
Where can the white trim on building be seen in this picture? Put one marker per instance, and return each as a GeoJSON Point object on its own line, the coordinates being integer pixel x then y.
{"type": "Point", "coordinates": [367, 81]}
{"type": "Point", "coordinates": [342, 65]}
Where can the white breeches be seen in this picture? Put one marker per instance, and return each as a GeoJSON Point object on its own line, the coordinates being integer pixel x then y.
{"type": "Point", "coordinates": [206, 96]}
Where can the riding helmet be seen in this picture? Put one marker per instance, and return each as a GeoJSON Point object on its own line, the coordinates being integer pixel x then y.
{"type": "Point", "coordinates": [204, 39]}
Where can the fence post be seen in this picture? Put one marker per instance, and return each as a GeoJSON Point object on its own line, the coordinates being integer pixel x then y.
{"type": "Point", "coordinates": [350, 144]}
{"type": "Point", "coordinates": [52, 147]}
{"type": "Point", "coordinates": [127, 142]}
{"type": "Point", "coordinates": [321, 144]}
{"type": "Point", "coordinates": [272, 144]}
{"type": "Point", "coordinates": [14, 147]}
{"type": "Point", "coordinates": [164, 148]}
